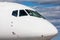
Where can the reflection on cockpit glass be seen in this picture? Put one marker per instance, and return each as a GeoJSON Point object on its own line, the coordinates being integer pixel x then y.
{"type": "Point", "coordinates": [34, 13]}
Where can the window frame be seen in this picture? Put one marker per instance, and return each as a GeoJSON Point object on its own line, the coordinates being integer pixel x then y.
{"type": "Point", "coordinates": [20, 13]}
{"type": "Point", "coordinates": [14, 15]}
{"type": "Point", "coordinates": [35, 11]}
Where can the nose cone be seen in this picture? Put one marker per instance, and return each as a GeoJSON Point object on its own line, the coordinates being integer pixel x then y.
{"type": "Point", "coordinates": [50, 31]}
{"type": "Point", "coordinates": [53, 31]}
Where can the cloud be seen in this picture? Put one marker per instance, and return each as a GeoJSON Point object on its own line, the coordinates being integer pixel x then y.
{"type": "Point", "coordinates": [50, 2]}
{"type": "Point", "coordinates": [37, 1]}
{"type": "Point", "coordinates": [53, 8]}
{"type": "Point", "coordinates": [43, 1]}
{"type": "Point", "coordinates": [55, 21]}
{"type": "Point", "coordinates": [55, 11]}
{"type": "Point", "coordinates": [7, 0]}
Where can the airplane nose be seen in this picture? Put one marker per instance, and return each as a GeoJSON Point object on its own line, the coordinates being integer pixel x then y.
{"type": "Point", "coordinates": [51, 31]}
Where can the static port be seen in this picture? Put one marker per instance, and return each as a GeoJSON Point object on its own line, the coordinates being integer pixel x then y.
{"type": "Point", "coordinates": [41, 35]}
{"type": "Point", "coordinates": [11, 22]}
{"type": "Point", "coordinates": [13, 33]}
{"type": "Point", "coordinates": [11, 25]}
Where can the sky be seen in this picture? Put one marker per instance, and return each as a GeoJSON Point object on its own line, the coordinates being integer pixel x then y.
{"type": "Point", "coordinates": [50, 9]}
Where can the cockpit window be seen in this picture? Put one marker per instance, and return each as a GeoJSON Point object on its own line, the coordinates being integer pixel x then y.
{"type": "Point", "coordinates": [15, 13]}
{"type": "Point", "coordinates": [22, 13]}
{"type": "Point", "coordinates": [34, 13]}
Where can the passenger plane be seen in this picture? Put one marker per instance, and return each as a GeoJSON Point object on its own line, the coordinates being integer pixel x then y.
{"type": "Point", "coordinates": [18, 21]}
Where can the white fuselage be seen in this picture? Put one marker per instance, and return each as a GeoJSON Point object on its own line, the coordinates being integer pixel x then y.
{"type": "Point", "coordinates": [13, 26]}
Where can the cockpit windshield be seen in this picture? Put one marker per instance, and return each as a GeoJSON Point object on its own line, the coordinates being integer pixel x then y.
{"type": "Point", "coordinates": [34, 13]}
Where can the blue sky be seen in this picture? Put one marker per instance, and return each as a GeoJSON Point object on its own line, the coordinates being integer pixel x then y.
{"type": "Point", "coordinates": [37, 4]}
{"type": "Point", "coordinates": [29, 3]}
